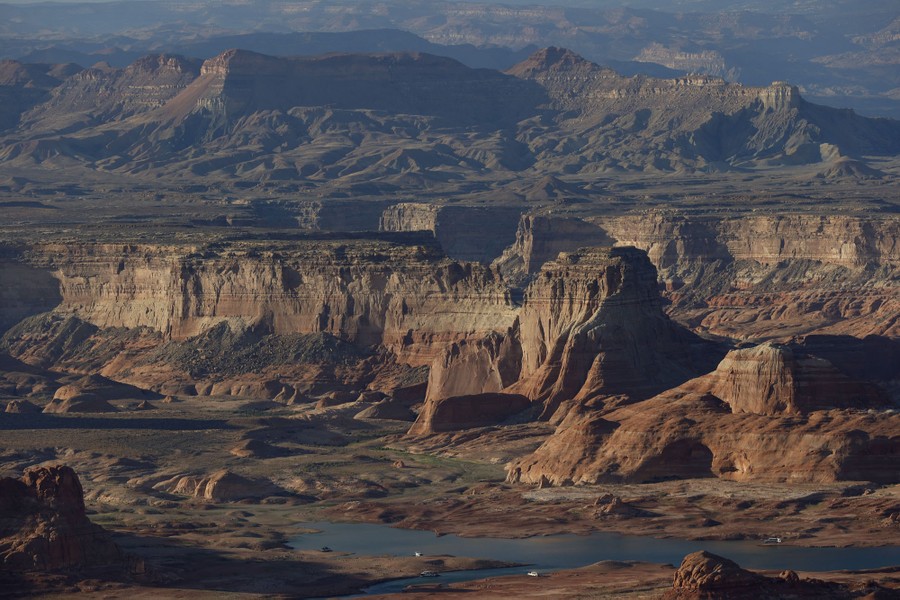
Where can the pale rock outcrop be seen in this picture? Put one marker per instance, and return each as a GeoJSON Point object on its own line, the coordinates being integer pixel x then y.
{"type": "Point", "coordinates": [389, 409]}
{"type": "Point", "coordinates": [254, 448]}
{"type": "Point", "coordinates": [22, 407]}
{"type": "Point", "coordinates": [102, 388]}
{"type": "Point", "coordinates": [81, 403]}
{"type": "Point", "coordinates": [221, 486]}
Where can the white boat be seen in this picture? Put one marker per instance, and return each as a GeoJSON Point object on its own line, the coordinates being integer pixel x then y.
{"type": "Point", "coordinates": [533, 574]}
{"type": "Point", "coordinates": [772, 540]}
{"type": "Point", "coordinates": [429, 574]}
{"type": "Point", "coordinates": [418, 554]}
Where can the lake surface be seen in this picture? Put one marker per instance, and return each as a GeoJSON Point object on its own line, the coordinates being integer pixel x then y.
{"type": "Point", "coordinates": [549, 553]}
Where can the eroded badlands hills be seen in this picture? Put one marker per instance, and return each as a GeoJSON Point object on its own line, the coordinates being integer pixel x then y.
{"type": "Point", "coordinates": [401, 120]}
{"type": "Point", "coordinates": [393, 288]}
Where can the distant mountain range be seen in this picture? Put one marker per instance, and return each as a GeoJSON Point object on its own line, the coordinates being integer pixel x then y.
{"type": "Point", "coordinates": [844, 54]}
{"type": "Point", "coordinates": [407, 120]}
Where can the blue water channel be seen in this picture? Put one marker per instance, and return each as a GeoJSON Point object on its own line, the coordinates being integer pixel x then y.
{"type": "Point", "coordinates": [550, 553]}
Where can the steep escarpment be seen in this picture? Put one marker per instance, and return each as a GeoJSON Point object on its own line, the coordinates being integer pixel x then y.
{"type": "Point", "coordinates": [406, 297]}
{"type": "Point", "coordinates": [258, 318]}
{"type": "Point", "coordinates": [540, 238]}
{"type": "Point", "coordinates": [692, 120]}
{"type": "Point", "coordinates": [591, 325]}
{"type": "Point", "coordinates": [478, 233]}
{"type": "Point", "coordinates": [751, 277]}
{"type": "Point", "coordinates": [103, 93]}
{"type": "Point", "coordinates": [773, 276]}
{"type": "Point", "coordinates": [24, 290]}
{"type": "Point", "coordinates": [383, 122]}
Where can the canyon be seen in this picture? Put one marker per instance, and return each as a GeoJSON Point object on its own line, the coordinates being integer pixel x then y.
{"type": "Point", "coordinates": [248, 291]}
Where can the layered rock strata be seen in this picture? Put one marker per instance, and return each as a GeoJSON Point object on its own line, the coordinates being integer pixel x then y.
{"type": "Point", "coordinates": [775, 380]}
{"type": "Point", "coordinates": [474, 233]}
{"type": "Point", "coordinates": [762, 415]}
{"type": "Point", "coordinates": [405, 297]}
{"type": "Point", "coordinates": [591, 325]}
{"type": "Point", "coordinates": [748, 277]}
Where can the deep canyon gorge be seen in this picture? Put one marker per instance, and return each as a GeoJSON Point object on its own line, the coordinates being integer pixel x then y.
{"type": "Point", "coordinates": [244, 292]}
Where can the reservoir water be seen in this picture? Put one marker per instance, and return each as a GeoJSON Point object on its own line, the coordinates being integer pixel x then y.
{"type": "Point", "coordinates": [548, 553]}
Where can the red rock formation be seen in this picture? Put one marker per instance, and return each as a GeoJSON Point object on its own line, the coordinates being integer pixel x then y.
{"type": "Point", "coordinates": [712, 574]}
{"type": "Point", "coordinates": [592, 324]}
{"type": "Point", "coordinates": [773, 380]}
{"type": "Point", "coordinates": [465, 412]}
{"type": "Point", "coordinates": [686, 435]}
{"type": "Point", "coordinates": [43, 524]}
{"type": "Point", "coordinates": [221, 486]}
{"type": "Point", "coordinates": [478, 366]}
{"type": "Point", "coordinates": [706, 576]}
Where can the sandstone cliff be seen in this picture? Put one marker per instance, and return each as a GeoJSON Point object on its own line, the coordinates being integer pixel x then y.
{"type": "Point", "coordinates": [775, 380]}
{"type": "Point", "coordinates": [273, 319]}
{"type": "Point", "coordinates": [473, 233]}
{"type": "Point", "coordinates": [762, 415]}
{"type": "Point", "coordinates": [406, 298]}
{"type": "Point", "coordinates": [591, 324]}
{"type": "Point", "coordinates": [748, 277]}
